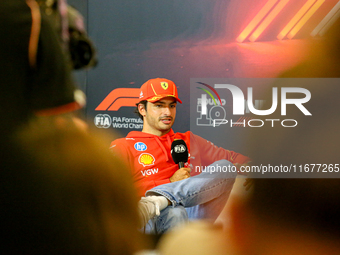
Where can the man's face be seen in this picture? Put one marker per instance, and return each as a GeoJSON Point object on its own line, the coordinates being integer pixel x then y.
{"type": "Point", "coordinates": [159, 116]}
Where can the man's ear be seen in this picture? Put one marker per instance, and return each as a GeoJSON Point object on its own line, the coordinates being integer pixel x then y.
{"type": "Point", "coordinates": [141, 109]}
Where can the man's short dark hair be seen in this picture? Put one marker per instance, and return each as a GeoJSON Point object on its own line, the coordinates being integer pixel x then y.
{"type": "Point", "coordinates": [144, 102]}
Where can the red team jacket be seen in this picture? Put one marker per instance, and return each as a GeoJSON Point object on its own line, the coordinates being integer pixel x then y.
{"type": "Point", "coordinates": [150, 159]}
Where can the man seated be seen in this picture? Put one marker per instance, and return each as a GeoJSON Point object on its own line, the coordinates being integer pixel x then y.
{"type": "Point", "coordinates": [148, 153]}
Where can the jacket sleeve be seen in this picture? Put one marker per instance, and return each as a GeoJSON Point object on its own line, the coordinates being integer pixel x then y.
{"type": "Point", "coordinates": [210, 153]}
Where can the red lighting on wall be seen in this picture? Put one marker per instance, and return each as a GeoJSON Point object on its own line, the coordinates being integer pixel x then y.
{"type": "Point", "coordinates": [273, 8]}
{"type": "Point", "coordinates": [305, 18]}
{"type": "Point", "coordinates": [268, 20]}
{"type": "Point", "coordinates": [256, 20]}
{"type": "Point", "coordinates": [295, 19]}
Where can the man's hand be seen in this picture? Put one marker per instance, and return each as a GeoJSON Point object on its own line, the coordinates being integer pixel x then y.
{"type": "Point", "coordinates": [249, 182]}
{"type": "Point", "coordinates": [180, 174]}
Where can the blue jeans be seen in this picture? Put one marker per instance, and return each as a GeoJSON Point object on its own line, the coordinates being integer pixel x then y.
{"type": "Point", "coordinates": [199, 197]}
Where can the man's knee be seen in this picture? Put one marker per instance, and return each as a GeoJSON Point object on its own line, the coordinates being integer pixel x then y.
{"type": "Point", "coordinates": [222, 169]}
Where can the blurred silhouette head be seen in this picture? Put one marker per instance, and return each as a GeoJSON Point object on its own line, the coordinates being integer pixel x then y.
{"type": "Point", "coordinates": [35, 77]}
{"type": "Point", "coordinates": [297, 215]}
{"type": "Point", "coordinates": [63, 192]}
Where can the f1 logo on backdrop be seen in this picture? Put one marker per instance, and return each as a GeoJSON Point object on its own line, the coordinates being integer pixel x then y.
{"type": "Point", "coordinates": [118, 98]}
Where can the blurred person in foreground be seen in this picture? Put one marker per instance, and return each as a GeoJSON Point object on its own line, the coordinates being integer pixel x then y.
{"type": "Point", "coordinates": [63, 192]}
{"type": "Point", "coordinates": [35, 77]}
{"type": "Point", "coordinates": [297, 215]}
{"type": "Point", "coordinates": [286, 215]}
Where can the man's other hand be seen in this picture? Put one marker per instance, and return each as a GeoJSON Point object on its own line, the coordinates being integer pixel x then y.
{"type": "Point", "coordinates": [248, 183]}
{"type": "Point", "coordinates": [180, 174]}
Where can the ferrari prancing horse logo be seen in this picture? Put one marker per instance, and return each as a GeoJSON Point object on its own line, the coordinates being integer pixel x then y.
{"type": "Point", "coordinates": [164, 85]}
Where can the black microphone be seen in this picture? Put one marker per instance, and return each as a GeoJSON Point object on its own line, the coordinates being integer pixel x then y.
{"type": "Point", "coordinates": [179, 152]}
